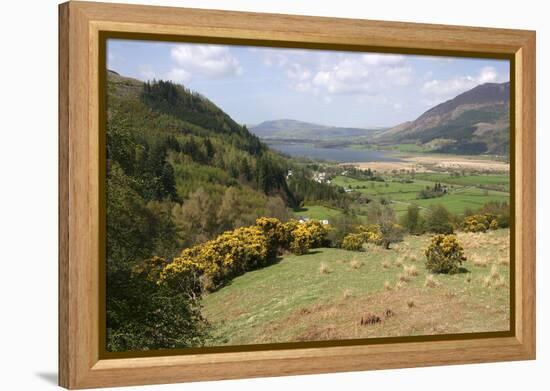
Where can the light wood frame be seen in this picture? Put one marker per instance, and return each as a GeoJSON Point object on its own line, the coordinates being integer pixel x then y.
{"type": "Point", "coordinates": [80, 24]}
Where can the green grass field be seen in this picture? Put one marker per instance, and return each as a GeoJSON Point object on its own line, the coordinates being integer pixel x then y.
{"type": "Point", "coordinates": [324, 295]}
{"type": "Point", "coordinates": [464, 192]}
{"type": "Point", "coordinates": [317, 212]}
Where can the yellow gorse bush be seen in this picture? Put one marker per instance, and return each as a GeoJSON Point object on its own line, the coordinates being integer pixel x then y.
{"type": "Point", "coordinates": [444, 254]}
{"type": "Point", "coordinates": [302, 240]}
{"type": "Point", "coordinates": [371, 233]}
{"type": "Point", "coordinates": [235, 252]}
{"type": "Point", "coordinates": [353, 242]}
{"type": "Point", "coordinates": [230, 254]}
{"type": "Point", "coordinates": [480, 222]}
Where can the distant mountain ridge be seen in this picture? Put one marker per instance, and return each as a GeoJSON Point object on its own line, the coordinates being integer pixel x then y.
{"type": "Point", "coordinates": [474, 122]}
{"type": "Point", "coordinates": [299, 130]}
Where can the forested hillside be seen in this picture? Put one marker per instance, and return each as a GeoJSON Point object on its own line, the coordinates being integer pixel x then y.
{"type": "Point", "coordinates": [180, 172]}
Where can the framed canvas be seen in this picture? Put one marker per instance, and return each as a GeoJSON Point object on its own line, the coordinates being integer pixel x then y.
{"type": "Point", "coordinates": [246, 195]}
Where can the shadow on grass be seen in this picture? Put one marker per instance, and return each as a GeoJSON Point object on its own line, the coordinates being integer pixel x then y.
{"type": "Point", "coordinates": [311, 253]}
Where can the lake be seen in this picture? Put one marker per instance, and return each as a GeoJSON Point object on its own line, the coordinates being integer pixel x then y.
{"type": "Point", "coordinates": [341, 155]}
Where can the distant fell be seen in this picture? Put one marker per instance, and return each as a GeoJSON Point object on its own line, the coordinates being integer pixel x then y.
{"type": "Point", "coordinates": [291, 129]}
{"type": "Point", "coordinates": [474, 122]}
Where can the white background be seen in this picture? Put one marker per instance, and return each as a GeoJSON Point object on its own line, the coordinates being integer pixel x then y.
{"type": "Point", "coordinates": [28, 194]}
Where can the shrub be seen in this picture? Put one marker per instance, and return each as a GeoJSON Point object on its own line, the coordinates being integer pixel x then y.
{"type": "Point", "coordinates": [384, 216]}
{"type": "Point", "coordinates": [480, 222]}
{"type": "Point", "coordinates": [371, 233]}
{"type": "Point", "coordinates": [438, 220]}
{"type": "Point", "coordinates": [391, 233]}
{"type": "Point", "coordinates": [340, 227]}
{"type": "Point", "coordinates": [142, 305]}
{"type": "Point", "coordinates": [274, 232]}
{"type": "Point", "coordinates": [302, 240]}
{"type": "Point", "coordinates": [444, 254]}
{"type": "Point", "coordinates": [353, 242]}
{"type": "Point", "coordinates": [499, 209]}
{"type": "Point", "coordinates": [413, 221]}
{"type": "Point", "coordinates": [318, 232]}
{"type": "Point", "coordinates": [219, 260]}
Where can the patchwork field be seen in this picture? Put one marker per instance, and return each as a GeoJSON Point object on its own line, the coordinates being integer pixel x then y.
{"type": "Point", "coordinates": [327, 293]}
{"type": "Point", "coordinates": [464, 192]}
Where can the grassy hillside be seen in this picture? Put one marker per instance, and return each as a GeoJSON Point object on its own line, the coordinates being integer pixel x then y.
{"type": "Point", "coordinates": [325, 294]}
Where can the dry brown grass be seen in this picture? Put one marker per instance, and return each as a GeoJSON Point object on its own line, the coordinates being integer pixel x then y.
{"type": "Point", "coordinates": [433, 312]}
{"type": "Point", "coordinates": [399, 263]}
{"type": "Point", "coordinates": [399, 285]}
{"type": "Point", "coordinates": [411, 270]}
{"type": "Point", "coordinates": [501, 283]}
{"type": "Point", "coordinates": [355, 264]}
{"type": "Point", "coordinates": [410, 303]}
{"type": "Point", "coordinates": [430, 281]}
{"type": "Point", "coordinates": [347, 293]}
{"type": "Point", "coordinates": [323, 268]}
{"type": "Point", "coordinates": [450, 295]}
{"type": "Point", "coordinates": [494, 275]}
{"type": "Point", "coordinates": [386, 264]}
{"type": "Point", "coordinates": [404, 278]}
{"type": "Point", "coordinates": [479, 261]}
{"type": "Point", "coordinates": [387, 286]}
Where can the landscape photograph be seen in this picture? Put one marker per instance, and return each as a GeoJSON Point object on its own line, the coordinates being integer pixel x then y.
{"type": "Point", "coordinates": [261, 195]}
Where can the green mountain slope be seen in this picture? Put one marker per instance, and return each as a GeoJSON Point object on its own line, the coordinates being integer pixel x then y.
{"type": "Point", "coordinates": [298, 130]}
{"type": "Point", "coordinates": [180, 172]}
{"type": "Point", "coordinates": [474, 122]}
{"type": "Point", "coordinates": [174, 154]}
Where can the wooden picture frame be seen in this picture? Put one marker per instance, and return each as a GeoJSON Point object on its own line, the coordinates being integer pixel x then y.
{"type": "Point", "coordinates": [81, 25]}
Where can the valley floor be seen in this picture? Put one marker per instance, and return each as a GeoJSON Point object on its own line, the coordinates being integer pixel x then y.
{"type": "Point", "coordinates": [430, 162]}
{"type": "Point", "coordinates": [325, 294]}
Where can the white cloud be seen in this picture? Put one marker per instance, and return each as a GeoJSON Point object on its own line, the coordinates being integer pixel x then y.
{"type": "Point", "coordinates": [298, 72]}
{"type": "Point", "coordinates": [452, 87]}
{"type": "Point", "coordinates": [488, 75]}
{"type": "Point", "coordinates": [340, 72]}
{"type": "Point", "coordinates": [205, 60]}
{"type": "Point", "coordinates": [346, 77]}
{"type": "Point", "coordinates": [400, 76]}
{"type": "Point", "coordinates": [178, 75]}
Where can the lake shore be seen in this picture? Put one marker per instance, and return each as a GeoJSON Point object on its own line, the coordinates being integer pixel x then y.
{"type": "Point", "coordinates": [423, 163]}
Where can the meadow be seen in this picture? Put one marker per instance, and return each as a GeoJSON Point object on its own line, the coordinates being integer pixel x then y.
{"type": "Point", "coordinates": [464, 191]}
{"type": "Point", "coordinates": [326, 294]}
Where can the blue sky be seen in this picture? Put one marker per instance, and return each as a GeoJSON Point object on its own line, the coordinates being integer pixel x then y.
{"type": "Point", "coordinates": [254, 84]}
